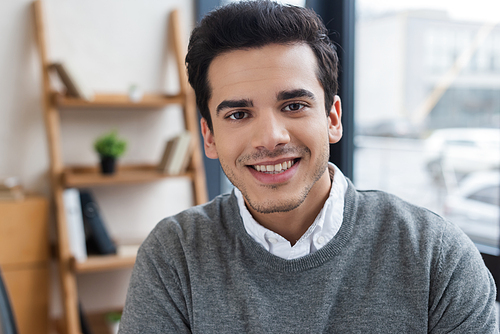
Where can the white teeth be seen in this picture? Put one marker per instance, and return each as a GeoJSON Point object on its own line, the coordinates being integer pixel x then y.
{"type": "Point", "coordinates": [278, 168]}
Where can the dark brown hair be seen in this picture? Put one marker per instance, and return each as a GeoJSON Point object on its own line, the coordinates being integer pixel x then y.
{"type": "Point", "coordinates": [253, 24]}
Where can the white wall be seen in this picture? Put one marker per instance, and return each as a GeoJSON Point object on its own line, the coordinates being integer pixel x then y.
{"type": "Point", "coordinates": [114, 43]}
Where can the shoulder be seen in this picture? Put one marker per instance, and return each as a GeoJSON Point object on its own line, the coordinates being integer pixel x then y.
{"type": "Point", "coordinates": [389, 209]}
{"type": "Point", "coordinates": [194, 226]}
{"type": "Point", "coordinates": [408, 226]}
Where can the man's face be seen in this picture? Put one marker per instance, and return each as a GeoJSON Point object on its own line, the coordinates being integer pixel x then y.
{"type": "Point", "coordinates": [270, 129]}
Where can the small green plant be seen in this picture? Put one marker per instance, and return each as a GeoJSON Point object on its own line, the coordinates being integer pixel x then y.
{"type": "Point", "coordinates": [109, 145]}
{"type": "Point", "coordinates": [113, 317]}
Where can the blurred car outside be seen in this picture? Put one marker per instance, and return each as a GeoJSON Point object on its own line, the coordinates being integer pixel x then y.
{"type": "Point", "coordinates": [462, 151]}
{"type": "Point", "coordinates": [395, 128]}
{"type": "Point", "coordinates": [475, 207]}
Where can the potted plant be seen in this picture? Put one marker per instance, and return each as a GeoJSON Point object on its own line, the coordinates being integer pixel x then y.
{"type": "Point", "coordinates": [109, 147]}
{"type": "Point", "coordinates": [113, 320]}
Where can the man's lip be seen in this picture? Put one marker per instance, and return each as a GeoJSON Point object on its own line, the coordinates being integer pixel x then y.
{"type": "Point", "coordinates": [274, 162]}
{"type": "Point", "coordinates": [275, 178]}
{"type": "Point", "coordinates": [275, 166]}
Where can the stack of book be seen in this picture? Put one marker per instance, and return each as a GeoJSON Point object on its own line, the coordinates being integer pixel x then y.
{"type": "Point", "coordinates": [11, 189]}
{"type": "Point", "coordinates": [87, 231]}
{"type": "Point", "coordinates": [177, 154]}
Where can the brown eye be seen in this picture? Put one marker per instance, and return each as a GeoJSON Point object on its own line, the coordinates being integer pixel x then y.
{"type": "Point", "coordinates": [294, 107]}
{"type": "Point", "coordinates": [238, 115]}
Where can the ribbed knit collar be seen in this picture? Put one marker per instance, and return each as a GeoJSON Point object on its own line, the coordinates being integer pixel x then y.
{"type": "Point", "coordinates": [331, 249]}
{"type": "Point", "coordinates": [325, 225]}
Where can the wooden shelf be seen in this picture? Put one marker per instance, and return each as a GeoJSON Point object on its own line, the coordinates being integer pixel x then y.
{"type": "Point", "coordinates": [96, 263]}
{"type": "Point", "coordinates": [117, 101]}
{"type": "Point", "coordinates": [85, 176]}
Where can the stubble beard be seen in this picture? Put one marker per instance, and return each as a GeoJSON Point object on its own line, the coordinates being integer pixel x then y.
{"type": "Point", "coordinates": [280, 205]}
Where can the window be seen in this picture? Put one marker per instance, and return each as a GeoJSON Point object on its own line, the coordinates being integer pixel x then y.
{"type": "Point", "coordinates": [427, 107]}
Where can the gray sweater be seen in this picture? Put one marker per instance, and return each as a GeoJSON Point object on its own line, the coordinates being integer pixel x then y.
{"type": "Point", "coordinates": [392, 268]}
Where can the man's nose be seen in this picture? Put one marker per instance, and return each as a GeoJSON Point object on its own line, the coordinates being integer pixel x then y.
{"type": "Point", "coordinates": [269, 132]}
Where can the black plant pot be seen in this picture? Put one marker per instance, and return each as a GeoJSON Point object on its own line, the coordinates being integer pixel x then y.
{"type": "Point", "coordinates": [108, 165]}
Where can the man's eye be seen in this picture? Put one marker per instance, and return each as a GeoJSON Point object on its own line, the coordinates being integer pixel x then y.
{"type": "Point", "coordinates": [238, 115]}
{"type": "Point", "coordinates": [294, 107]}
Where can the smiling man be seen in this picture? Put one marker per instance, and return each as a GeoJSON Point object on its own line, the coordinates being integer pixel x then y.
{"type": "Point", "coordinates": [295, 248]}
{"type": "Point", "coordinates": [271, 133]}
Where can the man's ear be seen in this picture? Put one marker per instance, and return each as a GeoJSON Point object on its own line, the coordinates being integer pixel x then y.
{"type": "Point", "coordinates": [208, 140]}
{"type": "Point", "coordinates": [334, 121]}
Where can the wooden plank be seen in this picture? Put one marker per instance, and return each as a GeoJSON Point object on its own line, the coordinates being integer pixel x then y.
{"type": "Point", "coordinates": [52, 124]}
{"type": "Point", "coordinates": [85, 176]}
{"type": "Point", "coordinates": [196, 165]}
{"type": "Point", "coordinates": [29, 293]}
{"type": "Point", "coordinates": [118, 101]}
{"type": "Point", "coordinates": [24, 231]}
{"type": "Point", "coordinates": [97, 263]}
{"type": "Point", "coordinates": [179, 48]}
{"type": "Point", "coordinates": [24, 258]}
{"type": "Point", "coordinates": [190, 111]}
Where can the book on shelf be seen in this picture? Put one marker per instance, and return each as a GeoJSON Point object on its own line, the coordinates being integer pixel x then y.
{"type": "Point", "coordinates": [72, 81]}
{"type": "Point", "coordinates": [74, 220]}
{"type": "Point", "coordinates": [167, 154]}
{"type": "Point", "coordinates": [177, 154]}
{"type": "Point", "coordinates": [98, 238]}
{"type": "Point", "coordinates": [11, 189]}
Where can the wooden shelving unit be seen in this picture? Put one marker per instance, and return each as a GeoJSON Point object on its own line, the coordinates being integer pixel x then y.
{"type": "Point", "coordinates": [117, 101]}
{"type": "Point", "coordinates": [103, 263]}
{"type": "Point", "coordinates": [85, 176]}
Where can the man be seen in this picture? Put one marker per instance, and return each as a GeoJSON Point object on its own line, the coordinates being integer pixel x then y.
{"type": "Point", "coordinates": [295, 248]}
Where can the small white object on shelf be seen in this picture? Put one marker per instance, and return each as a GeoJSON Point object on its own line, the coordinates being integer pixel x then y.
{"type": "Point", "coordinates": [135, 93]}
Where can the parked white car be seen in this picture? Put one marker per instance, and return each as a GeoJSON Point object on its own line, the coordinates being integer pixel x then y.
{"type": "Point", "coordinates": [475, 207]}
{"type": "Point", "coordinates": [462, 150]}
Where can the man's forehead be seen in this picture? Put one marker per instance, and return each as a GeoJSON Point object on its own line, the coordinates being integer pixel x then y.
{"type": "Point", "coordinates": [253, 54]}
{"type": "Point", "coordinates": [233, 75]}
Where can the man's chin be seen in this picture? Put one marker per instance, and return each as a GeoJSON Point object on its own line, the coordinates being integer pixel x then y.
{"type": "Point", "coordinates": [276, 206]}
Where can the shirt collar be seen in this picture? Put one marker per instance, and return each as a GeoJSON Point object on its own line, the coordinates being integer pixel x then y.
{"type": "Point", "coordinates": [322, 230]}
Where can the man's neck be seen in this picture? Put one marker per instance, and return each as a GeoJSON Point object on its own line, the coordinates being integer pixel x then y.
{"type": "Point", "coordinates": [293, 224]}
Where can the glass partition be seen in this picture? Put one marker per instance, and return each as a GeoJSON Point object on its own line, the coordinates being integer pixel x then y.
{"type": "Point", "coordinates": [427, 108]}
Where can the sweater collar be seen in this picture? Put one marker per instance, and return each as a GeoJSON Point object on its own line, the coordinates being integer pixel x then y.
{"type": "Point", "coordinates": [273, 262]}
{"type": "Point", "coordinates": [321, 231]}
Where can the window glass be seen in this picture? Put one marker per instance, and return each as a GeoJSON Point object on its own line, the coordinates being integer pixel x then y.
{"type": "Point", "coordinates": [490, 195]}
{"type": "Point", "coordinates": [427, 107]}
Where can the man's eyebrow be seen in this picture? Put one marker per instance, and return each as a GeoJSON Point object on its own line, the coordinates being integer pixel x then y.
{"type": "Point", "coordinates": [293, 94]}
{"type": "Point", "coordinates": [244, 103]}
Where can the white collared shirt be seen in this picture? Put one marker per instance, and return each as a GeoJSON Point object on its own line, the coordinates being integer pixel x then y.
{"type": "Point", "coordinates": [322, 230]}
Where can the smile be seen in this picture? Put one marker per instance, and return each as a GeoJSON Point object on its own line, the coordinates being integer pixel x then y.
{"type": "Point", "coordinates": [274, 169]}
